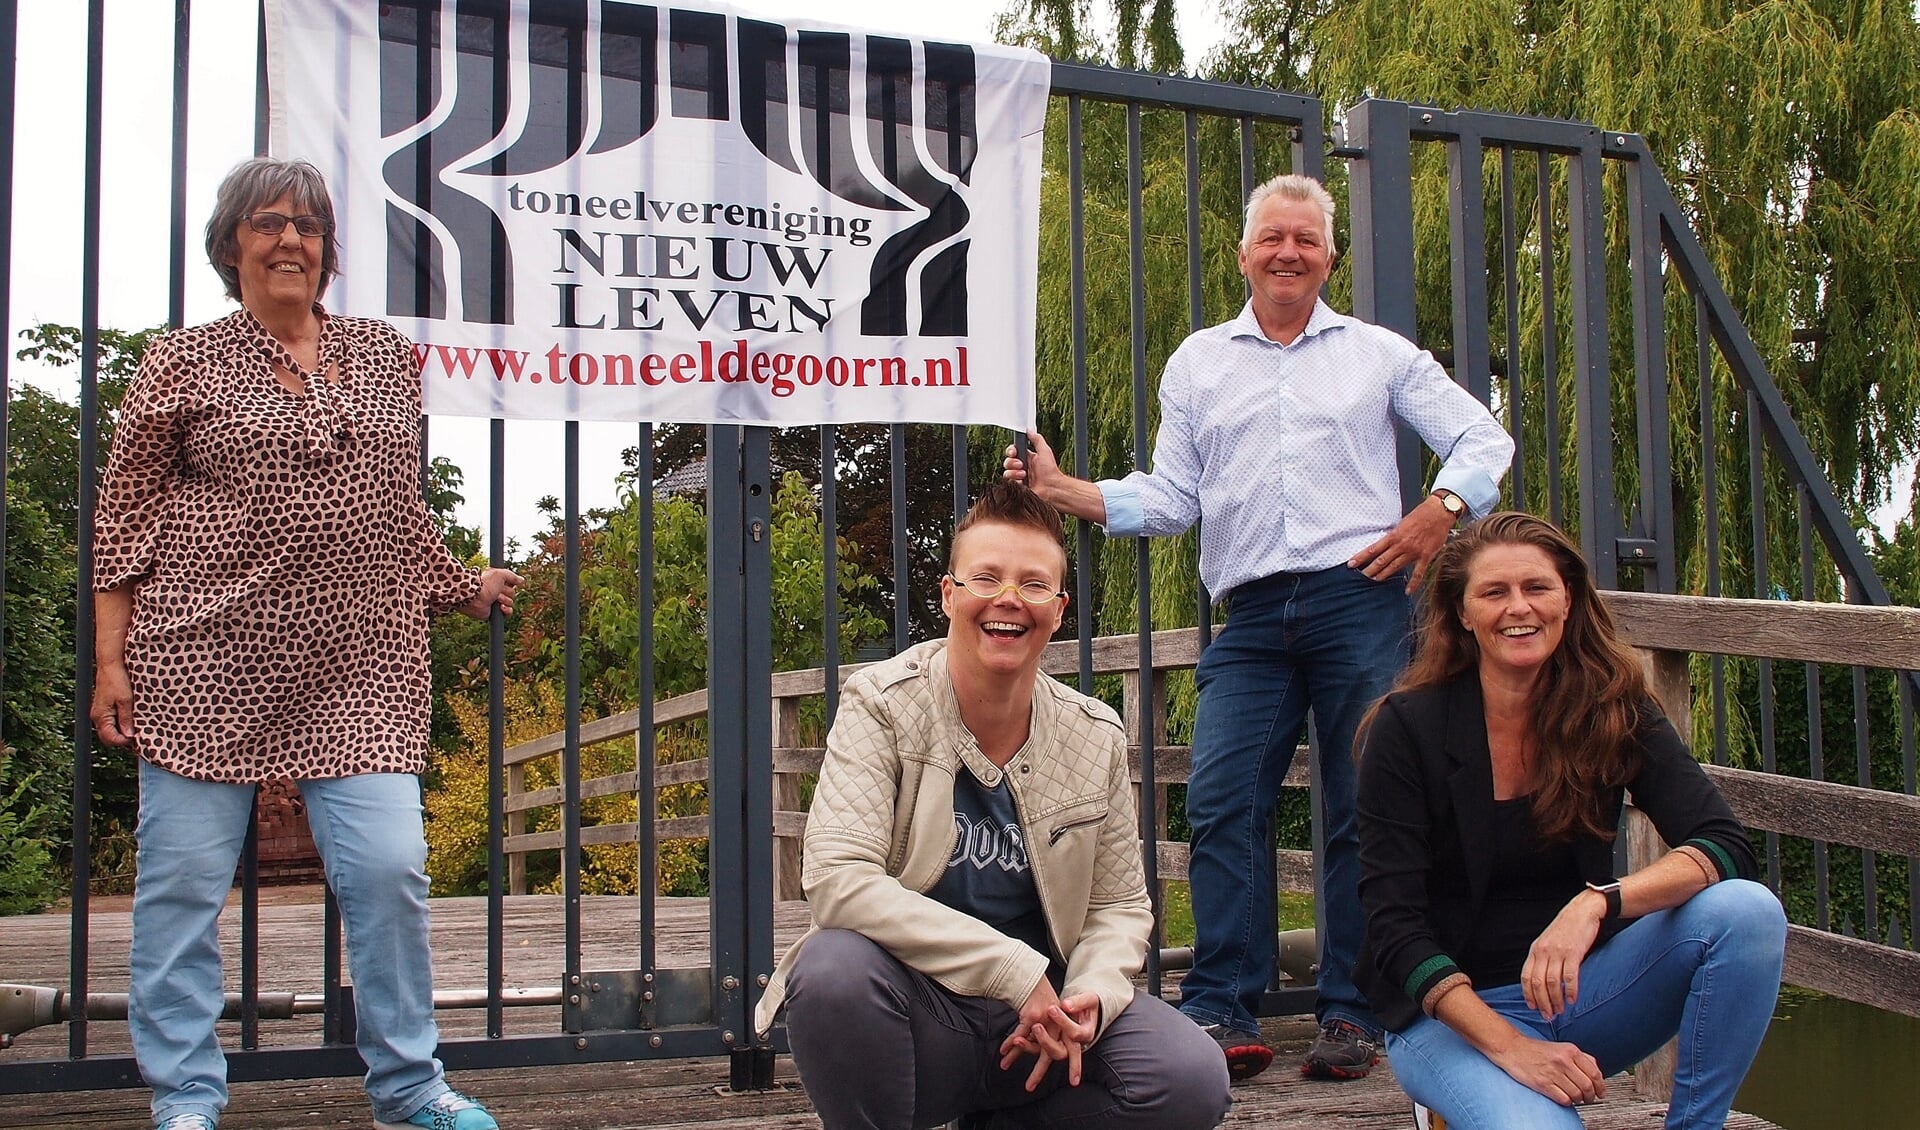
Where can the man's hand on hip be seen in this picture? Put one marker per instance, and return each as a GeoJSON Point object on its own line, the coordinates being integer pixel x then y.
{"type": "Point", "coordinates": [1409, 545]}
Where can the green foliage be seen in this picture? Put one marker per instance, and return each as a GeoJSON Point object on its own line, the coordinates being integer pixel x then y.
{"type": "Point", "coordinates": [29, 881]}
{"type": "Point", "coordinates": [609, 658]}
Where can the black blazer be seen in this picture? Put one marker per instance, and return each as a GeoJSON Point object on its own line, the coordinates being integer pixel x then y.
{"type": "Point", "coordinates": [1425, 807]}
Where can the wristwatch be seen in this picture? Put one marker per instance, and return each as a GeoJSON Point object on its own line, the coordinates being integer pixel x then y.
{"type": "Point", "coordinates": [1609, 890]}
{"type": "Point", "coordinates": [1454, 504]}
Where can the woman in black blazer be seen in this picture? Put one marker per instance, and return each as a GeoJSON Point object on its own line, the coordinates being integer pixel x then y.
{"type": "Point", "coordinates": [1513, 970]}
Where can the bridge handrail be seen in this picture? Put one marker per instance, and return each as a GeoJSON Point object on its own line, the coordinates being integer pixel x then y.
{"type": "Point", "coordinates": [1667, 627]}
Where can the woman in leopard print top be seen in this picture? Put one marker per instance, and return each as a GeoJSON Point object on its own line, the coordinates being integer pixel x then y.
{"type": "Point", "coordinates": [264, 570]}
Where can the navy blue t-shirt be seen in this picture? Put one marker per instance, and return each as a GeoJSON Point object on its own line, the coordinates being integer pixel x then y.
{"type": "Point", "coordinates": [987, 876]}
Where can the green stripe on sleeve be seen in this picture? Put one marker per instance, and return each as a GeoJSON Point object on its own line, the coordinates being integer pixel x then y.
{"type": "Point", "coordinates": [1719, 855]}
{"type": "Point", "coordinates": [1427, 974]}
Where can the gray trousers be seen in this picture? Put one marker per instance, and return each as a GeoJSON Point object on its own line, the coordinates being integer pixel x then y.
{"type": "Point", "coordinates": [880, 1046]}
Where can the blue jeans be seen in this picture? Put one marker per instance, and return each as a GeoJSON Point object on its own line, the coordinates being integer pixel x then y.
{"type": "Point", "coordinates": [1708, 970]}
{"type": "Point", "coordinates": [368, 830]}
{"type": "Point", "coordinates": [1331, 642]}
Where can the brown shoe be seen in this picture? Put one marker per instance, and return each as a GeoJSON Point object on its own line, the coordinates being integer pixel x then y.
{"type": "Point", "coordinates": [1343, 1050]}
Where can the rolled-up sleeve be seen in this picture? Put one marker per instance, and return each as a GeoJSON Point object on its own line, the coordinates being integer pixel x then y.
{"type": "Point", "coordinates": [1474, 450]}
{"type": "Point", "coordinates": [1165, 500]}
{"type": "Point", "coordinates": [1684, 804]}
{"type": "Point", "coordinates": [143, 469]}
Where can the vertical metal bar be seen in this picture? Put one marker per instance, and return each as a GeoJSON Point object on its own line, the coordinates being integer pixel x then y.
{"type": "Point", "coordinates": [260, 114]}
{"type": "Point", "coordinates": [1816, 737]}
{"type": "Point", "coordinates": [1650, 373]}
{"type": "Point", "coordinates": [902, 583]}
{"type": "Point", "coordinates": [1710, 489]}
{"type": "Point", "coordinates": [570, 752]}
{"type": "Point", "coordinates": [645, 749]}
{"type": "Point", "coordinates": [497, 735]}
{"type": "Point", "coordinates": [735, 675]}
{"type": "Point", "coordinates": [83, 595]}
{"type": "Point", "coordinates": [1592, 405]}
{"type": "Point", "coordinates": [1863, 766]}
{"type": "Point", "coordinates": [1467, 202]}
{"type": "Point", "coordinates": [1142, 561]}
{"type": "Point", "coordinates": [754, 769]}
{"type": "Point", "coordinates": [9, 21]}
{"type": "Point", "coordinates": [498, 868]}
{"type": "Point", "coordinates": [336, 1025]}
{"type": "Point", "coordinates": [960, 483]}
{"type": "Point", "coordinates": [250, 930]}
{"type": "Point", "coordinates": [1904, 681]}
{"type": "Point", "coordinates": [1310, 147]}
{"type": "Point", "coordinates": [1196, 320]}
{"type": "Point", "coordinates": [830, 563]}
{"type": "Point", "coordinates": [1380, 194]}
{"type": "Point", "coordinates": [1085, 565]}
{"type": "Point", "coordinates": [1762, 590]}
{"type": "Point", "coordinates": [1510, 284]}
{"type": "Point", "coordinates": [1550, 341]}
{"type": "Point", "coordinates": [177, 207]}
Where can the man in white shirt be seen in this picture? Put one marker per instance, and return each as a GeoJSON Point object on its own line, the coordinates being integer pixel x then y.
{"type": "Point", "coordinates": [1278, 428]}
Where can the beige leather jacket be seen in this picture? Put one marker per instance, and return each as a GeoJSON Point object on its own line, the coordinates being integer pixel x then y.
{"type": "Point", "coordinates": [881, 830]}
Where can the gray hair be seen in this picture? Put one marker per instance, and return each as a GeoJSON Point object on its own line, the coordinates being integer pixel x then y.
{"type": "Point", "coordinates": [1291, 186]}
{"type": "Point", "coordinates": [257, 182]}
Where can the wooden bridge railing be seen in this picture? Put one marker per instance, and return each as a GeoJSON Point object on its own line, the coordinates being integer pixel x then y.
{"type": "Point", "coordinates": [1667, 628]}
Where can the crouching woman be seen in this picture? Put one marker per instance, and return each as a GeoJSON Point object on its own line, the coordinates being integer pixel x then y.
{"type": "Point", "coordinates": [972, 862]}
{"type": "Point", "coordinates": [1513, 970]}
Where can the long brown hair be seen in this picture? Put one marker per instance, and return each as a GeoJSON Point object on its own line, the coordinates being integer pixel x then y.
{"type": "Point", "coordinates": [1590, 699]}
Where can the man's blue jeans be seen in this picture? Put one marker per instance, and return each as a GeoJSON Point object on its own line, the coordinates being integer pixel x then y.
{"type": "Point", "coordinates": [368, 830]}
{"type": "Point", "coordinates": [1330, 641]}
{"type": "Point", "coordinates": [1708, 970]}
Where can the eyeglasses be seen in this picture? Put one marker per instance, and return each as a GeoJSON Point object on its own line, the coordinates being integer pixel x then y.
{"type": "Point", "coordinates": [273, 223]}
{"type": "Point", "coordinates": [990, 588]}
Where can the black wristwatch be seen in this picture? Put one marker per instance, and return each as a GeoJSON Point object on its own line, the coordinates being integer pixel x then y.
{"type": "Point", "coordinates": [1609, 890]}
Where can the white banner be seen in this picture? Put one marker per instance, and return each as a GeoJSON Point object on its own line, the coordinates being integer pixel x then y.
{"type": "Point", "coordinates": [603, 210]}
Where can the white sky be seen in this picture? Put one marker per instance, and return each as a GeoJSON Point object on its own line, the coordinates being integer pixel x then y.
{"type": "Point", "coordinates": [137, 131]}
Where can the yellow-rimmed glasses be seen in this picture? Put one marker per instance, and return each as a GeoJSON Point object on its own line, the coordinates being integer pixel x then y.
{"type": "Point", "coordinates": [989, 588]}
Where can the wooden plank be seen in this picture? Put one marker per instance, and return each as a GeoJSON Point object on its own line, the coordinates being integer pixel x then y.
{"type": "Point", "coordinates": [1855, 970]}
{"type": "Point", "coordinates": [1822, 810]}
{"type": "Point", "coordinates": [1849, 634]}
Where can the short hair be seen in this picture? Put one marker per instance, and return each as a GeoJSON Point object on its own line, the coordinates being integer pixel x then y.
{"type": "Point", "coordinates": [1291, 186]}
{"type": "Point", "coordinates": [259, 181]}
{"type": "Point", "coordinates": [1012, 504]}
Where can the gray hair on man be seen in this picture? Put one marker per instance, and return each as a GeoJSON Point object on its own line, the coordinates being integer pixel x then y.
{"type": "Point", "coordinates": [1291, 186]}
{"type": "Point", "coordinates": [252, 185]}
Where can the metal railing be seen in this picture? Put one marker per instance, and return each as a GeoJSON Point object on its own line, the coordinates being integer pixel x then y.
{"type": "Point", "coordinates": [1150, 173]}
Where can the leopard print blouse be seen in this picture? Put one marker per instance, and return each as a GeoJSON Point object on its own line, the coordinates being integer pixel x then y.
{"type": "Point", "coordinates": [283, 561]}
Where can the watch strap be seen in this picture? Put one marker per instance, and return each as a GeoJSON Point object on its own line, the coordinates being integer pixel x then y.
{"type": "Point", "coordinates": [1609, 891]}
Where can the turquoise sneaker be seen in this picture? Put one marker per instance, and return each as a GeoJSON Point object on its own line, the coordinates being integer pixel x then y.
{"type": "Point", "coordinates": [449, 1110]}
{"type": "Point", "coordinates": [187, 1122]}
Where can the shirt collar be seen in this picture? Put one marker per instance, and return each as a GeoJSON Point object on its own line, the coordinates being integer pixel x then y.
{"type": "Point", "coordinates": [1323, 318]}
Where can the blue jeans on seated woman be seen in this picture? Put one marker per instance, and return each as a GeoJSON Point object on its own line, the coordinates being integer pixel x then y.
{"type": "Point", "coordinates": [1708, 970]}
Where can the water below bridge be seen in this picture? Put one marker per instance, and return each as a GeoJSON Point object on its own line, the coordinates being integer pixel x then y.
{"type": "Point", "coordinates": [1830, 1064]}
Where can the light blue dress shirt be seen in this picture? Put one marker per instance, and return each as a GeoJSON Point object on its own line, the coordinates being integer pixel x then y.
{"type": "Point", "coordinates": [1289, 450]}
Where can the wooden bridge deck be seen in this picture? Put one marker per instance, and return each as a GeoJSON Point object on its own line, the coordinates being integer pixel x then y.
{"type": "Point", "coordinates": [659, 1094]}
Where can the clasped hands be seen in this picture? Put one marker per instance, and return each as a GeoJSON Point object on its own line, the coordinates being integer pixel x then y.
{"type": "Point", "coordinates": [1052, 1029]}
